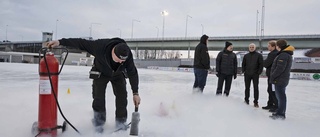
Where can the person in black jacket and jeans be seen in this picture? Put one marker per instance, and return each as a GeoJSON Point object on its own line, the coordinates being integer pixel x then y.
{"type": "Point", "coordinates": [201, 65]}
{"type": "Point", "coordinates": [272, 103]}
{"type": "Point", "coordinates": [280, 76]}
{"type": "Point", "coordinates": [112, 63]}
{"type": "Point", "coordinates": [226, 67]}
{"type": "Point", "coordinates": [252, 66]}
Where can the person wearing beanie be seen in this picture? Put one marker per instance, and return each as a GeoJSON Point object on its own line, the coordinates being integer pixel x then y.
{"type": "Point", "coordinates": [272, 103]}
{"type": "Point", "coordinates": [227, 44]}
{"type": "Point", "coordinates": [252, 66]}
{"type": "Point", "coordinates": [113, 63]}
{"type": "Point", "coordinates": [280, 76]}
{"type": "Point", "coordinates": [226, 68]}
{"type": "Point", "coordinates": [201, 65]}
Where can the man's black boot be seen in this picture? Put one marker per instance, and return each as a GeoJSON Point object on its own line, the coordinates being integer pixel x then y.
{"type": "Point", "coordinates": [99, 118]}
{"type": "Point", "coordinates": [121, 123]}
{"type": "Point", "coordinates": [267, 107]}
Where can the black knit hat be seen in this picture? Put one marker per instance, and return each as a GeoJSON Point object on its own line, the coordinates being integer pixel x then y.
{"type": "Point", "coordinates": [122, 51]}
{"type": "Point", "coordinates": [228, 44]}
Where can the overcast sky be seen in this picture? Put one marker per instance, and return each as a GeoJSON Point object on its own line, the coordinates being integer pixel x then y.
{"type": "Point", "coordinates": [27, 19]}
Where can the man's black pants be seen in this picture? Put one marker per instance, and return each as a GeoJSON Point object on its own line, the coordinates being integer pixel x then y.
{"type": "Point", "coordinates": [255, 79]}
{"type": "Point", "coordinates": [99, 85]}
{"type": "Point", "coordinates": [221, 79]}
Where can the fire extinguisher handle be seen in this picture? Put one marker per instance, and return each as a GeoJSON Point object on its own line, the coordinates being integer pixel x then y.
{"type": "Point", "coordinates": [136, 109]}
{"type": "Point", "coordinates": [46, 50]}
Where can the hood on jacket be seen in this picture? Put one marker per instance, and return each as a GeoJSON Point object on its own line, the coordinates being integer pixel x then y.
{"type": "Point", "coordinates": [289, 49]}
{"type": "Point", "coordinates": [204, 39]}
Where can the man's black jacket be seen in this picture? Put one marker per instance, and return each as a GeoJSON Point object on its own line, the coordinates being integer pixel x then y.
{"type": "Point", "coordinates": [226, 63]}
{"type": "Point", "coordinates": [252, 63]}
{"type": "Point", "coordinates": [101, 50]}
{"type": "Point", "coordinates": [267, 63]}
{"type": "Point", "coordinates": [281, 67]}
{"type": "Point", "coordinates": [201, 57]}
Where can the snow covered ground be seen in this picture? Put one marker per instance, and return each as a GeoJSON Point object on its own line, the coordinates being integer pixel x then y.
{"type": "Point", "coordinates": [168, 108]}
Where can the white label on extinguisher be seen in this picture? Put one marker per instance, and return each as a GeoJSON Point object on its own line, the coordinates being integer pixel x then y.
{"type": "Point", "coordinates": [44, 85]}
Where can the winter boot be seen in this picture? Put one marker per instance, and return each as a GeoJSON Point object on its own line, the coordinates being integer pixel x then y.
{"type": "Point", "coordinates": [226, 93]}
{"type": "Point", "coordinates": [196, 91]}
{"type": "Point", "coordinates": [268, 107]}
{"type": "Point", "coordinates": [99, 118]}
{"type": "Point", "coordinates": [246, 101]}
{"type": "Point", "coordinates": [219, 92]}
{"type": "Point", "coordinates": [256, 105]}
{"type": "Point", "coordinates": [278, 116]}
{"type": "Point", "coordinates": [121, 124]}
{"type": "Point", "coordinates": [272, 110]}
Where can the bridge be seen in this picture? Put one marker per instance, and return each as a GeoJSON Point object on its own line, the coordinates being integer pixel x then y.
{"type": "Point", "coordinates": [240, 43]}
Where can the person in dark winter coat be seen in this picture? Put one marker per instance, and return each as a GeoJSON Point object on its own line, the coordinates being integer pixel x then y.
{"type": "Point", "coordinates": [113, 62]}
{"type": "Point", "coordinates": [201, 64]}
{"type": "Point", "coordinates": [226, 68]}
{"type": "Point", "coordinates": [272, 103]}
{"type": "Point", "coordinates": [252, 66]}
{"type": "Point", "coordinates": [280, 76]}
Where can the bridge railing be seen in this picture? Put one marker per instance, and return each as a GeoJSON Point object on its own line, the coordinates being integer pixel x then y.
{"type": "Point", "coordinates": [307, 36]}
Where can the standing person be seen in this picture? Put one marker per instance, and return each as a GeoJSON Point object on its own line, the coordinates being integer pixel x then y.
{"type": "Point", "coordinates": [226, 67]}
{"type": "Point", "coordinates": [252, 66]}
{"type": "Point", "coordinates": [272, 103]}
{"type": "Point", "coordinates": [280, 76]}
{"type": "Point", "coordinates": [201, 64]}
{"type": "Point", "coordinates": [112, 63]}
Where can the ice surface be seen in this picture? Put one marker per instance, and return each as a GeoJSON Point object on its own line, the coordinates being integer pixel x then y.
{"type": "Point", "coordinates": [168, 107]}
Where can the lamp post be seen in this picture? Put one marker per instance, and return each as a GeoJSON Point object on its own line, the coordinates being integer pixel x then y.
{"type": "Point", "coordinates": [257, 23]}
{"type": "Point", "coordinates": [21, 37]}
{"type": "Point", "coordinates": [164, 14]}
{"type": "Point", "coordinates": [91, 28]}
{"type": "Point", "coordinates": [188, 16]}
{"type": "Point", "coordinates": [132, 27]}
{"type": "Point", "coordinates": [57, 29]}
{"type": "Point", "coordinates": [157, 32]}
{"type": "Point", "coordinates": [187, 34]}
{"type": "Point", "coordinates": [119, 32]}
{"type": "Point", "coordinates": [6, 33]}
{"type": "Point", "coordinates": [202, 29]}
{"type": "Point", "coordinates": [262, 26]}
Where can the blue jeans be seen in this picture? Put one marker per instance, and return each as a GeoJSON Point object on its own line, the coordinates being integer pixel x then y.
{"type": "Point", "coordinates": [200, 78]}
{"type": "Point", "coordinates": [282, 99]}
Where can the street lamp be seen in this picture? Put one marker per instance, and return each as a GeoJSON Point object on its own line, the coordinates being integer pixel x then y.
{"type": "Point", "coordinates": [187, 25]}
{"type": "Point", "coordinates": [57, 29]}
{"type": "Point", "coordinates": [132, 27]}
{"type": "Point", "coordinates": [157, 32]}
{"type": "Point", "coordinates": [186, 35]}
{"type": "Point", "coordinates": [164, 14]}
{"type": "Point", "coordinates": [91, 28]}
{"type": "Point", "coordinates": [119, 32]}
{"type": "Point", "coordinates": [202, 29]}
{"type": "Point", "coordinates": [21, 37]}
{"type": "Point", "coordinates": [257, 23]}
{"type": "Point", "coordinates": [262, 26]}
{"type": "Point", "coordinates": [6, 33]}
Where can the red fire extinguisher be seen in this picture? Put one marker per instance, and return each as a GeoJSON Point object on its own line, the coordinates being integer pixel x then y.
{"type": "Point", "coordinates": [48, 93]}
